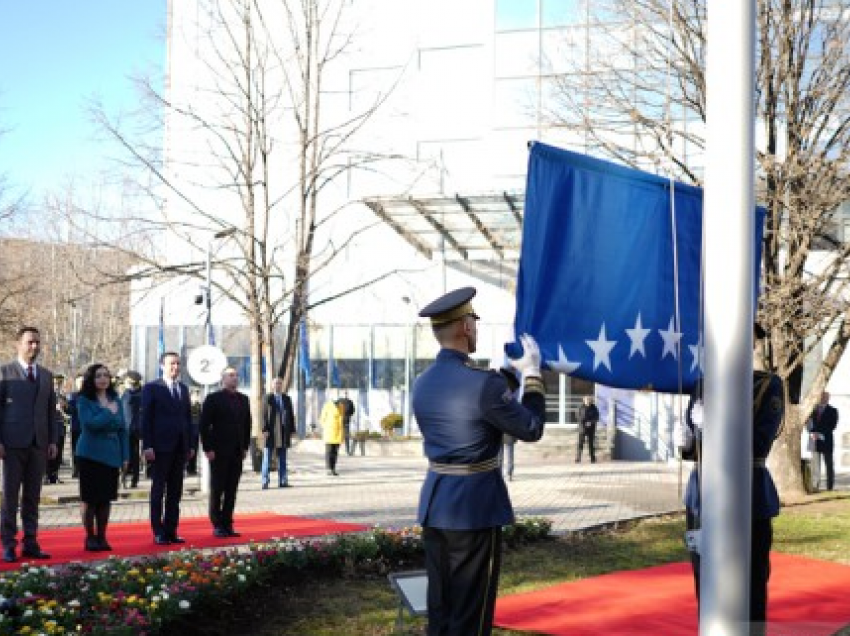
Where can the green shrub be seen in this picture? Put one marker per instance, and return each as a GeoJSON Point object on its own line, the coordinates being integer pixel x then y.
{"type": "Point", "coordinates": [391, 422]}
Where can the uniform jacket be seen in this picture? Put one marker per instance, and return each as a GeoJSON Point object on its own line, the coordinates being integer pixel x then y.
{"type": "Point", "coordinates": [271, 414]}
{"type": "Point", "coordinates": [103, 436]}
{"type": "Point", "coordinates": [27, 409]}
{"type": "Point", "coordinates": [331, 420]}
{"type": "Point", "coordinates": [462, 413]}
{"type": "Point", "coordinates": [226, 422]}
{"type": "Point", "coordinates": [768, 407]}
{"type": "Point", "coordinates": [166, 421]}
{"type": "Point", "coordinates": [825, 425]}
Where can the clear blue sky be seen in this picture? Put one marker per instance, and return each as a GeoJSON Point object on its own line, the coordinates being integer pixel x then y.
{"type": "Point", "coordinates": [55, 55]}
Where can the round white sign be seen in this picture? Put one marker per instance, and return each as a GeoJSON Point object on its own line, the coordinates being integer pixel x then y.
{"type": "Point", "coordinates": [205, 364]}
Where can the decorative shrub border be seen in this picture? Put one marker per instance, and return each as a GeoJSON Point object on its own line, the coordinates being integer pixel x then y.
{"type": "Point", "coordinates": [140, 595]}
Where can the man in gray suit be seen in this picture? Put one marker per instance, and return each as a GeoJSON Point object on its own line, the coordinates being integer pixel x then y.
{"type": "Point", "coordinates": [29, 430]}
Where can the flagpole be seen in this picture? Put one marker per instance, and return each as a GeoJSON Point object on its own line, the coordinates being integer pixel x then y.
{"type": "Point", "coordinates": [729, 292]}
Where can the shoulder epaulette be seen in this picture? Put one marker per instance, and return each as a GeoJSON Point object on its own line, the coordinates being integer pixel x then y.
{"type": "Point", "coordinates": [471, 365]}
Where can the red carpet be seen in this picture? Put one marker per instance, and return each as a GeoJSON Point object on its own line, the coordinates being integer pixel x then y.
{"type": "Point", "coordinates": [135, 539]}
{"type": "Point", "coordinates": [806, 598]}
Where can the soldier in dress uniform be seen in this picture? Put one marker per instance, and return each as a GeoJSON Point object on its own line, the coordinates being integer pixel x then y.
{"type": "Point", "coordinates": [768, 407]}
{"type": "Point", "coordinates": [463, 412]}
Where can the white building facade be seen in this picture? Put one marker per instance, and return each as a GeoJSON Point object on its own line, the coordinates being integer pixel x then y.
{"type": "Point", "coordinates": [458, 88]}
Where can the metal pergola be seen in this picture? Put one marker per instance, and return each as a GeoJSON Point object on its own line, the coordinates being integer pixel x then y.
{"type": "Point", "coordinates": [477, 234]}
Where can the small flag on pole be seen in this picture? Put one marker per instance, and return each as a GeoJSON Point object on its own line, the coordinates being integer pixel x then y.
{"type": "Point", "coordinates": [304, 352]}
{"type": "Point", "coordinates": [160, 345]}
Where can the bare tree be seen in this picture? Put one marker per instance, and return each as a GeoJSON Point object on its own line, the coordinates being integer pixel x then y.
{"type": "Point", "coordinates": [53, 285]}
{"type": "Point", "coordinates": [10, 287]}
{"type": "Point", "coordinates": [638, 95]}
{"type": "Point", "coordinates": [261, 149]}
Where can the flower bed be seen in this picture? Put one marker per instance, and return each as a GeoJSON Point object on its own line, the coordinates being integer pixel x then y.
{"type": "Point", "coordinates": [141, 596]}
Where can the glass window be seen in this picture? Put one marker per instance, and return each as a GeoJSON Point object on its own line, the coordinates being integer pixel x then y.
{"type": "Point", "coordinates": [516, 14]}
{"type": "Point", "coordinates": [516, 102]}
{"type": "Point", "coordinates": [563, 50]}
{"type": "Point", "coordinates": [555, 13]}
{"type": "Point", "coordinates": [508, 151]}
{"type": "Point", "coordinates": [517, 54]}
{"type": "Point", "coordinates": [452, 91]}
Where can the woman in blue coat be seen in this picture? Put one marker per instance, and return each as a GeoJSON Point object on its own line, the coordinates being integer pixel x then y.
{"type": "Point", "coordinates": [103, 450]}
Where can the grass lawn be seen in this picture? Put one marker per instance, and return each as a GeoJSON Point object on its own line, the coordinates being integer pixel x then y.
{"type": "Point", "coordinates": [355, 607]}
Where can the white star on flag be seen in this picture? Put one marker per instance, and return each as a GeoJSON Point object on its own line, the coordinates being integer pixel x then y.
{"type": "Point", "coordinates": [563, 364]}
{"type": "Point", "coordinates": [601, 349]}
{"type": "Point", "coordinates": [698, 353]}
{"type": "Point", "coordinates": [638, 336]}
{"type": "Point", "coordinates": [671, 338]}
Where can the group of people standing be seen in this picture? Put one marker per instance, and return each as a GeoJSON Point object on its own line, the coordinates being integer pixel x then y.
{"type": "Point", "coordinates": [108, 432]}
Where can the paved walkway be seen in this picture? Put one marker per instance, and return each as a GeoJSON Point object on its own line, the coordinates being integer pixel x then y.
{"type": "Point", "coordinates": [385, 490]}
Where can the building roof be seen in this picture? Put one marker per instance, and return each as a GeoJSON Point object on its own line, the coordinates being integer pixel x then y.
{"type": "Point", "coordinates": [478, 234]}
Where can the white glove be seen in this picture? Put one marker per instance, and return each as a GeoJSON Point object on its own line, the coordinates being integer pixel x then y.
{"type": "Point", "coordinates": [697, 414]}
{"type": "Point", "coordinates": [529, 364]}
{"type": "Point", "coordinates": [682, 436]}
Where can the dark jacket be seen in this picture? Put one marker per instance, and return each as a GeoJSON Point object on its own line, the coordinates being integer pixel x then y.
{"type": "Point", "coordinates": [104, 433]}
{"type": "Point", "coordinates": [462, 412]}
{"type": "Point", "coordinates": [131, 405]}
{"type": "Point", "coordinates": [27, 409]}
{"type": "Point", "coordinates": [226, 422]}
{"type": "Point", "coordinates": [588, 416]}
{"type": "Point", "coordinates": [347, 407]}
{"type": "Point", "coordinates": [825, 425]}
{"type": "Point", "coordinates": [270, 415]}
{"type": "Point", "coordinates": [166, 422]}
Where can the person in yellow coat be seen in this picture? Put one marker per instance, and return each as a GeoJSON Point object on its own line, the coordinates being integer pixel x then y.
{"type": "Point", "coordinates": [331, 420]}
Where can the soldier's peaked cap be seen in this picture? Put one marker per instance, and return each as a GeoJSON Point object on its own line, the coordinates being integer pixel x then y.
{"type": "Point", "coordinates": [456, 304]}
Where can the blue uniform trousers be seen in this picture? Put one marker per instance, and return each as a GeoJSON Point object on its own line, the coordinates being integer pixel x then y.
{"type": "Point", "coordinates": [761, 542]}
{"type": "Point", "coordinates": [463, 577]}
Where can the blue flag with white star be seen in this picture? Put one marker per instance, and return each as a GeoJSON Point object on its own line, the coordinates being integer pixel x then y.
{"type": "Point", "coordinates": [596, 274]}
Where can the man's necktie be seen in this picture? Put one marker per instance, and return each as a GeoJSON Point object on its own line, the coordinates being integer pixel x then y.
{"type": "Point", "coordinates": [30, 374]}
{"type": "Point", "coordinates": [175, 391]}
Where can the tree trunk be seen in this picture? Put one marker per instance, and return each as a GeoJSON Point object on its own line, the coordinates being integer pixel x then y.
{"type": "Point", "coordinates": [257, 377]}
{"type": "Point", "coordinates": [784, 461]}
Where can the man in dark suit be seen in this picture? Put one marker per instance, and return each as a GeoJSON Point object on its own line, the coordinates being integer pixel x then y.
{"type": "Point", "coordinates": [588, 417]}
{"type": "Point", "coordinates": [225, 436]}
{"type": "Point", "coordinates": [278, 429]}
{"type": "Point", "coordinates": [168, 439]}
{"type": "Point", "coordinates": [463, 412]}
{"type": "Point", "coordinates": [29, 432]}
{"type": "Point", "coordinates": [824, 422]}
{"type": "Point", "coordinates": [131, 405]}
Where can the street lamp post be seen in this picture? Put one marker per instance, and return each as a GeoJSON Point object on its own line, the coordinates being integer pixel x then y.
{"type": "Point", "coordinates": [408, 410]}
{"type": "Point", "coordinates": [208, 291]}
